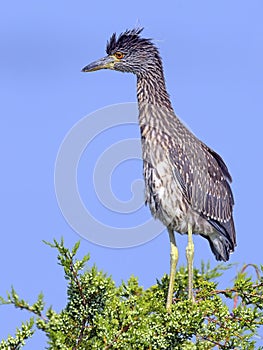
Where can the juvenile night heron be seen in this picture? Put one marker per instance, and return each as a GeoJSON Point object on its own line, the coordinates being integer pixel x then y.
{"type": "Point", "coordinates": [186, 182]}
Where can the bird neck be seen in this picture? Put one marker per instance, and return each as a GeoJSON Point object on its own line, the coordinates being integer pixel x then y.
{"type": "Point", "coordinates": [151, 89]}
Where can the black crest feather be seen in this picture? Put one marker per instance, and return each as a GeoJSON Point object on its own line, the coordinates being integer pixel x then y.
{"type": "Point", "coordinates": [130, 36]}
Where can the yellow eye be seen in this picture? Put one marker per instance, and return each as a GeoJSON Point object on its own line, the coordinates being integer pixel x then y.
{"type": "Point", "coordinates": [119, 55]}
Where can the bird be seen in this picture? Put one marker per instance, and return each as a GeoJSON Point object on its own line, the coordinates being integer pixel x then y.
{"type": "Point", "coordinates": [187, 184]}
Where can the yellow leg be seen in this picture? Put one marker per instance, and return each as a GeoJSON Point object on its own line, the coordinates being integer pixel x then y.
{"type": "Point", "coordinates": [173, 263]}
{"type": "Point", "coordinates": [190, 259]}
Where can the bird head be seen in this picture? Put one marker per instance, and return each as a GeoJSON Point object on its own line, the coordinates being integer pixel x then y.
{"type": "Point", "coordinates": [128, 53]}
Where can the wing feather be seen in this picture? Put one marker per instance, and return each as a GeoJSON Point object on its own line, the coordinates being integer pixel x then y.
{"type": "Point", "coordinates": [204, 178]}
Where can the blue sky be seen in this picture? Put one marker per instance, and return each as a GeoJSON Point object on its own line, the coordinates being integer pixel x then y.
{"type": "Point", "coordinates": [212, 54]}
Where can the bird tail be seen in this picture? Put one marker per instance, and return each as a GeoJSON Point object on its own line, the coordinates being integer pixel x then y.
{"type": "Point", "coordinates": [223, 241]}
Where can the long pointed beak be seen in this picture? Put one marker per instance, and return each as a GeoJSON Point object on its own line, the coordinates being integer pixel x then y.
{"type": "Point", "coordinates": [103, 63]}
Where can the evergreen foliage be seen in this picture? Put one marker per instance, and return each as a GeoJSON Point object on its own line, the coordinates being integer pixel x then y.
{"type": "Point", "coordinates": [101, 315]}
